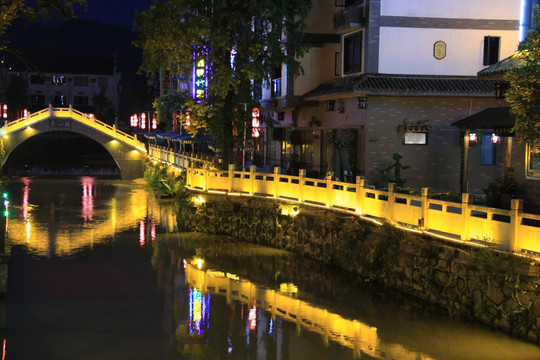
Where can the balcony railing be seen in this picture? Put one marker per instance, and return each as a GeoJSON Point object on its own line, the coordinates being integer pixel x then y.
{"type": "Point", "coordinates": [350, 18]}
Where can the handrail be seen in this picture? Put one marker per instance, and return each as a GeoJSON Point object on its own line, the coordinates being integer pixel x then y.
{"type": "Point", "coordinates": [76, 115]}
{"type": "Point", "coordinates": [461, 222]}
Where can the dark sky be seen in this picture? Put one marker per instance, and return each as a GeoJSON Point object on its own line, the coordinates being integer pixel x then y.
{"type": "Point", "coordinates": [120, 12]}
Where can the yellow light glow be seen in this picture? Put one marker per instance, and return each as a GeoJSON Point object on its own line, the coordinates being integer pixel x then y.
{"type": "Point", "coordinates": [233, 276]}
{"type": "Point", "coordinates": [198, 200]}
{"type": "Point", "coordinates": [197, 262]}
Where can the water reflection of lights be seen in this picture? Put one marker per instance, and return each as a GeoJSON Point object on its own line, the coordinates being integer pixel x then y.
{"type": "Point", "coordinates": [252, 317]}
{"type": "Point", "coordinates": [199, 311]}
{"type": "Point", "coordinates": [143, 230]}
{"type": "Point", "coordinates": [362, 338]}
{"type": "Point", "coordinates": [87, 198]}
{"type": "Point", "coordinates": [131, 207]}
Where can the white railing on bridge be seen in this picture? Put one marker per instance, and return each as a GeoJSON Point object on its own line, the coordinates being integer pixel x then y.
{"type": "Point", "coordinates": [463, 222]}
{"type": "Point", "coordinates": [71, 113]}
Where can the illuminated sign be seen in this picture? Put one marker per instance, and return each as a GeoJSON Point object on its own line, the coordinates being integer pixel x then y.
{"type": "Point", "coordinates": [199, 311]}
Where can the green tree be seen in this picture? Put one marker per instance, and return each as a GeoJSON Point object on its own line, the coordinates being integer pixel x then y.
{"type": "Point", "coordinates": [524, 91]}
{"type": "Point", "coordinates": [241, 41]}
{"type": "Point", "coordinates": [166, 105]}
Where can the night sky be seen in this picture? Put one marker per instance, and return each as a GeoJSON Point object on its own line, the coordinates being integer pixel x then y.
{"type": "Point", "coordinates": [120, 12]}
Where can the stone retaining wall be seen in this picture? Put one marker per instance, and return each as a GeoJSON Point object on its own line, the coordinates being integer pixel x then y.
{"type": "Point", "coordinates": [478, 283]}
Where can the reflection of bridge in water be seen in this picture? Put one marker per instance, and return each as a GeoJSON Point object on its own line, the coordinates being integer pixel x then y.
{"type": "Point", "coordinates": [353, 334]}
{"type": "Point", "coordinates": [137, 208]}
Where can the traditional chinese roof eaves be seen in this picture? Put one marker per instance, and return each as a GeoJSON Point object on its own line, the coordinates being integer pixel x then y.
{"type": "Point", "coordinates": [491, 118]}
{"type": "Point", "coordinates": [501, 67]}
{"type": "Point", "coordinates": [423, 85]}
{"type": "Point", "coordinates": [406, 85]}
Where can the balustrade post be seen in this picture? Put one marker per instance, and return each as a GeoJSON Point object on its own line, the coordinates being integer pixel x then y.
{"type": "Point", "coordinates": [329, 188]}
{"type": "Point", "coordinates": [301, 180]}
{"type": "Point", "coordinates": [516, 206]}
{"type": "Point", "coordinates": [50, 110]}
{"type": "Point", "coordinates": [252, 170]}
{"type": "Point", "coordinates": [391, 201]}
{"type": "Point", "coordinates": [360, 194]}
{"type": "Point", "coordinates": [423, 223]}
{"type": "Point", "coordinates": [276, 181]}
{"type": "Point", "coordinates": [231, 177]}
{"type": "Point", "coordinates": [189, 171]}
{"type": "Point", "coordinates": [465, 213]}
{"type": "Point", "coordinates": [206, 171]}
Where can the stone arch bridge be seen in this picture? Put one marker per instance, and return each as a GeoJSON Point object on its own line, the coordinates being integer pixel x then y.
{"type": "Point", "coordinates": [127, 152]}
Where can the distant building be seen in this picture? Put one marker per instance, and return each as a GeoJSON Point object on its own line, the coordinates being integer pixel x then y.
{"type": "Point", "coordinates": [89, 84]}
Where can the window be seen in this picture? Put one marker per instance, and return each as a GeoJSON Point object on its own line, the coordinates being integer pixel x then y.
{"type": "Point", "coordinates": [80, 100]}
{"type": "Point", "coordinates": [58, 100]}
{"type": "Point", "coordinates": [491, 49]}
{"type": "Point", "coordinates": [37, 99]}
{"type": "Point", "coordinates": [352, 53]}
{"type": "Point", "coordinates": [58, 80]}
{"type": "Point", "coordinates": [80, 81]}
{"type": "Point", "coordinates": [487, 151]}
{"type": "Point", "coordinates": [102, 82]}
{"type": "Point", "coordinates": [36, 79]}
{"type": "Point", "coordinates": [534, 160]}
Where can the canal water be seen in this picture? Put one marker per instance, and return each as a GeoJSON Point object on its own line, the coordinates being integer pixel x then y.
{"type": "Point", "coordinates": [99, 270]}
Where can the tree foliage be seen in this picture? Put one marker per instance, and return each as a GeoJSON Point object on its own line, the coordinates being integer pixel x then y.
{"type": "Point", "coordinates": [262, 34]}
{"type": "Point", "coordinates": [524, 92]}
{"type": "Point", "coordinates": [166, 105]}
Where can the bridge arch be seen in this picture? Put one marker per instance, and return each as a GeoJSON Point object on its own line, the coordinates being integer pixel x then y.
{"type": "Point", "coordinates": [126, 151]}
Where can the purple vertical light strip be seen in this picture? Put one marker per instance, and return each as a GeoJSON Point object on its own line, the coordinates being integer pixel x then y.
{"type": "Point", "coordinates": [190, 310]}
{"type": "Point", "coordinates": [206, 74]}
{"type": "Point", "coordinates": [194, 75]}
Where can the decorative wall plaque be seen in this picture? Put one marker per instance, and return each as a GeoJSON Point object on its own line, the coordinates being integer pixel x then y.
{"type": "Point", "coordinates": [439, 50]}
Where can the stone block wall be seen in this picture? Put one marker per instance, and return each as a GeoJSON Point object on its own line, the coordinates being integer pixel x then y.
{"type": "Point", "coordinates": [477, 283]}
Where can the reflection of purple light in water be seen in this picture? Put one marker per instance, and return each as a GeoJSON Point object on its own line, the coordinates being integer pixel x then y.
{"type": "Point", "coordinates": [199, 311]}
{"type": "Point", "coordinates": [142, 230]}
{"type": "Point", "coordinates": [26, 193]}
{"type": "Point", "coordinates": [87, 198]}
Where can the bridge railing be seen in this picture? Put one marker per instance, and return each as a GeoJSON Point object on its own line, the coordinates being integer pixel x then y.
{"type": "Point", "coordinates": [463, 221]}
{"type": "Point", "coordinates": [90, 121]}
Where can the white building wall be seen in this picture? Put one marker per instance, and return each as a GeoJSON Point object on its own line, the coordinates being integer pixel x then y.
{"type": "Point", "coordinates": [410, 50]}
{"type": "Point", "coordinates": [464, 9]}
{"type": "Point", "coordinates": [406, 45]}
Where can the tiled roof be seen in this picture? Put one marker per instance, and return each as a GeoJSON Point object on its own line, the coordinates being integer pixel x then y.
{"type": "Point", "coordinates": [424, 86]}
{"type": "Point", "coordinates": [491, 118]}
{"type": "Point", "coordinates": [407, 85]}
{"type": "Point", "coordinates": [499, 68]}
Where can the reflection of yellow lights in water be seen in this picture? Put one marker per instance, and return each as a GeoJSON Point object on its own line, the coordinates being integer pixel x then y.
{"type": "Point", "coordinates": [197, 262]}
{"type": "Point", "coordinates": [67, 239]}
{"type": "Point", "coordinates": [362, 338]}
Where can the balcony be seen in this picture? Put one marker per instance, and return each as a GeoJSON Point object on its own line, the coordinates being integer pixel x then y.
{"type": "Point", "coordinates": [351, 18]}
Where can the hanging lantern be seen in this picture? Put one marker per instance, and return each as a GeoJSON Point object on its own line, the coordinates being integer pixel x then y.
{"type": "Point", "coordinates": [154, 122]}
{"type": "Point", "coordinates": [495, 139]}
{"type": "Point", "coordinates": [255, 132]}
{"type": "Point", "coordinates": [143, 121]}
{"type": "Point", "coordinates": [473, 138]}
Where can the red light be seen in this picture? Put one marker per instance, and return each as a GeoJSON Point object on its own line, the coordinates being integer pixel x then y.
{"type": "Point", "coordinates": [143, 121]}
{"type": "Point", "coordinates": [154, 122]}
{"type": "Point", "coordinates": [4, 111]}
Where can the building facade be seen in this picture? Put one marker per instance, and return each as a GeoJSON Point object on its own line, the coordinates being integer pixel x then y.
{"type": "Point", "coordinates": [386, 77]}
{"type": "Point", "coordinates": [90, 85]}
